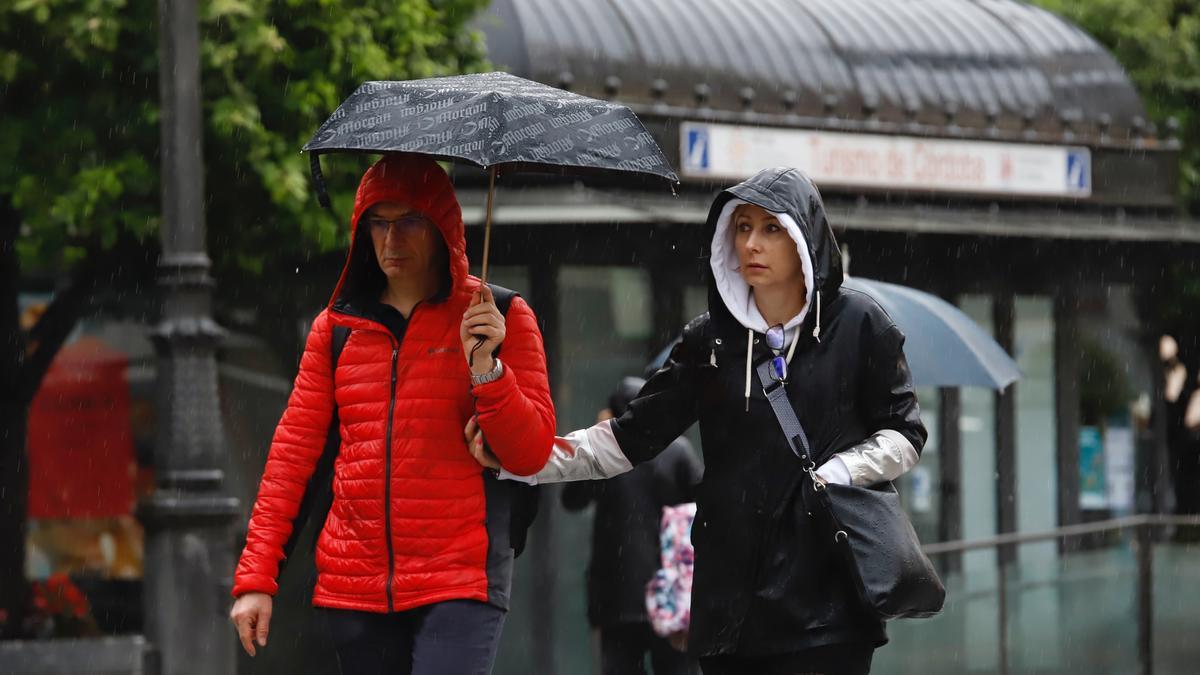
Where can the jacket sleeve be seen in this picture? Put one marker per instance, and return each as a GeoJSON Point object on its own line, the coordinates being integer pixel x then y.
{"type": "Point", "coordinates": [688, 471]}
{"type": "Point", "coordinates": [516, 412]}
{"type": "Point", "coordinates": [665, 407]}
{"type": "Point", "coordinates": [584, 454]}
{"type": "Point", "coordinates": [297, 445]}
{"type": "Point", "coordinates": [889, 403]}
{"type": "Point", "coordinates": [668, 403]}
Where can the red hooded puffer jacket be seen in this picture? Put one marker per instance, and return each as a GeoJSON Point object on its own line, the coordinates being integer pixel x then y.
{"type": "Point", "coordinates": [408, 525]}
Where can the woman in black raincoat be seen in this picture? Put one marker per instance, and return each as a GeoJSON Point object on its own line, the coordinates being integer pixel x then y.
{"type": "Point", "coordinates": [770, 594]}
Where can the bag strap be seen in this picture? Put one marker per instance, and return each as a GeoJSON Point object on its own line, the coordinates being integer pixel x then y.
{"type": "Point", "coordinates": [503, 297]}
{"type": "Point", "coordinates": [524, 499]}
{"type": "Point", "coordinates": [340, 335]}
{"type": "Point", "coordinates": [792, 429]}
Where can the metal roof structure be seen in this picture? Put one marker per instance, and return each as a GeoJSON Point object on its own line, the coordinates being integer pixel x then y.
{"type": "Point", "coordinates": [579, 205]}
{"type": "Point", "coordinates": [989, 69]}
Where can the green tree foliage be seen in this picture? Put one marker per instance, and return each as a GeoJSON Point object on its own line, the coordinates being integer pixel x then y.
{"type": "Point", "coordinates": [1158, 44]}
{"type": "Point", "coordinates": [79, 163]}
{"type": "Point", "coordinates": [79, 83]}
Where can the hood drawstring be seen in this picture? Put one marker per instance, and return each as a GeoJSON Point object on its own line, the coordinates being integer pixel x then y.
{"type": "Point", "coordinates": [750, 354]}
{"type": "Point", "coordinates": [817, 328]}
{"type": "Point", "coordinates": [749, 357]}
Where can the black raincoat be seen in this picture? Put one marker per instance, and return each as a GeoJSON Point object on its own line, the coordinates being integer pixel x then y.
{"type": "Point", "coordinates": [766, 580]}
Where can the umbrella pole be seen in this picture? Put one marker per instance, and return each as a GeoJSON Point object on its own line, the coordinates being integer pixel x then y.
{"type": "Point", "coordinates": [487, 244]}
{"type": "Point", "coordinates": [487, 225]}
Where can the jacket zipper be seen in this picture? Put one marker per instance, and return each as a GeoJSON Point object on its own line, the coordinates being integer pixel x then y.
{"type": "Point", "coordinates": [387, 485]}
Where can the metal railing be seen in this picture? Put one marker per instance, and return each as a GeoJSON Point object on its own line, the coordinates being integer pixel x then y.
{"type": "Point", "coordinates": [1145, 527]}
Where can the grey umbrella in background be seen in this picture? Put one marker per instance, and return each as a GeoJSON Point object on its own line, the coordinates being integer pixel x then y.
{"type": "Point", "coordinates": [945, 348]}
{"type": "Point", "coordinates": [494, 121]}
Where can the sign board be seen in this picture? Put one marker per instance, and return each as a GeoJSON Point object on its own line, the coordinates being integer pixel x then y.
{"type": "Point", "coordinates": [1092, 491]}
{"type": "Point", "coordinates": [726, 151]}
{"type": "Point", "coordinates": [1119, 468]}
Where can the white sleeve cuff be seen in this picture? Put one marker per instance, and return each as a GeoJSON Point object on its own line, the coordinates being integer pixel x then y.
{"type": "Point", "coordinates": [835, 471]}
{"type": "Point", "coordinates": [883, 457]}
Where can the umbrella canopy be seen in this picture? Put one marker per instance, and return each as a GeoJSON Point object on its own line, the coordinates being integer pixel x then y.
{"type": "Point", "coordinates": [490, 120]}
{"type": "Point", "coordinates": [944, 347]}
{"type": "Point", "coordinates": [493, 119]}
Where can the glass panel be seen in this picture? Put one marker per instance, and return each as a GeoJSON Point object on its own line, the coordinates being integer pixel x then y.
{"type": "Point", "coordinates": [1036, 626]}
{"type": "Point", "coordinates": [1115, 375]}
{"type": "Point", "coordinates": [605, 325]}
{"type": "Point", "coordinates": [513, 277]}
{"type": "Point", "coordinates": [977, 425]}
{"type": "Point", "coordinates": [695, 301]}
{"type": "Point", "coordinates": [1096, 591]}
{"type": "Point", "coordinates": [943, 644]}
{"type": "Point", "coordinates": [604, 331]}
{"type": "Point", "coordinates": [919, 488]}
{"type": "Point", "coordinates": [1176, 597]}
{"type": "Point", "coordinates": [1096, 628]}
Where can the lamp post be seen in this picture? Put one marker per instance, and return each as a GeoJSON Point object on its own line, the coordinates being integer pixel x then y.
{"type": "Point", "coordinates": [189, 546]}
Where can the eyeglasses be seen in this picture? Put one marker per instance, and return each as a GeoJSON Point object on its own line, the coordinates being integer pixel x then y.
{"type": "Point", "coordinates": [409, 221]}
{"type": "Point", "coordinates": [775, 340]}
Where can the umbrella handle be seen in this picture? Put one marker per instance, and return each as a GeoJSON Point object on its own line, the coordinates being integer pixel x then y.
{"type": "Point", "coordinates": [487, 244]}
{"type": "Point", "coordinates": [314, 165]}
{"type": "Point", "coordinates": [487, 224]}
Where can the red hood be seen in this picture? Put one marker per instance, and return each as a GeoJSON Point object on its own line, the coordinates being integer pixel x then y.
{"type": "Point", "coordinates": [418, 182]}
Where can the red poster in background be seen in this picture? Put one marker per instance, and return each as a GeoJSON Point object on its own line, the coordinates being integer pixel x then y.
{"type": "Point", "coordinates": [81, 461]}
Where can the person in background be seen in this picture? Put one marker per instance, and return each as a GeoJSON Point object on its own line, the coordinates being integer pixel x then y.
{"type": "Point", "coordinates": [625, 549]}
{"type": "Point", "coordinates": [1182, 399]}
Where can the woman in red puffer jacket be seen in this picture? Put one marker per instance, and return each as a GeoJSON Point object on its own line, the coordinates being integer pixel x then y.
{"type": "Point", "coordinates": [410, 573]}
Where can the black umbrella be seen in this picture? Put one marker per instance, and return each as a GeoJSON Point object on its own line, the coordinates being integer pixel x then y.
{"type": "Point", "coordinates": [492, 120]}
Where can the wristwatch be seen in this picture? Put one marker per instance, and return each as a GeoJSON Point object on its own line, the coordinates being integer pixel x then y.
{"type": "Point", "coordinates": [490, 376]}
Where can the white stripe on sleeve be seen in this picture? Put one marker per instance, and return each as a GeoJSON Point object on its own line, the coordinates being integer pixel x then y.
{"type": "Point", "coordinates": [884, 456]}
{"type": "Point", "coordinates": [585, 454]}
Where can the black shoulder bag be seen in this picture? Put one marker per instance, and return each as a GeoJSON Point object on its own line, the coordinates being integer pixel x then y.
{"type": "Point", "coordinates": [868, 527]}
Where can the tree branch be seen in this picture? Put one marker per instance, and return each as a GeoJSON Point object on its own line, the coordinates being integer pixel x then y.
{"type": "Point", "coordinates": [11, 340]}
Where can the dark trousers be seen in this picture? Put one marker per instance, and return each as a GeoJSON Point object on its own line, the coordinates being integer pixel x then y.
{"type": "Point", "coordinates": [623, 649]}
{"type": "Point", "coordinates": [456, 637]}
{"type": "Point", "coordinates": [830, 660]}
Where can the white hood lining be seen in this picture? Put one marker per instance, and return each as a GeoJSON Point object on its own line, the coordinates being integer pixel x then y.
{"type": "Point", "coordinates": [735, 292]}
